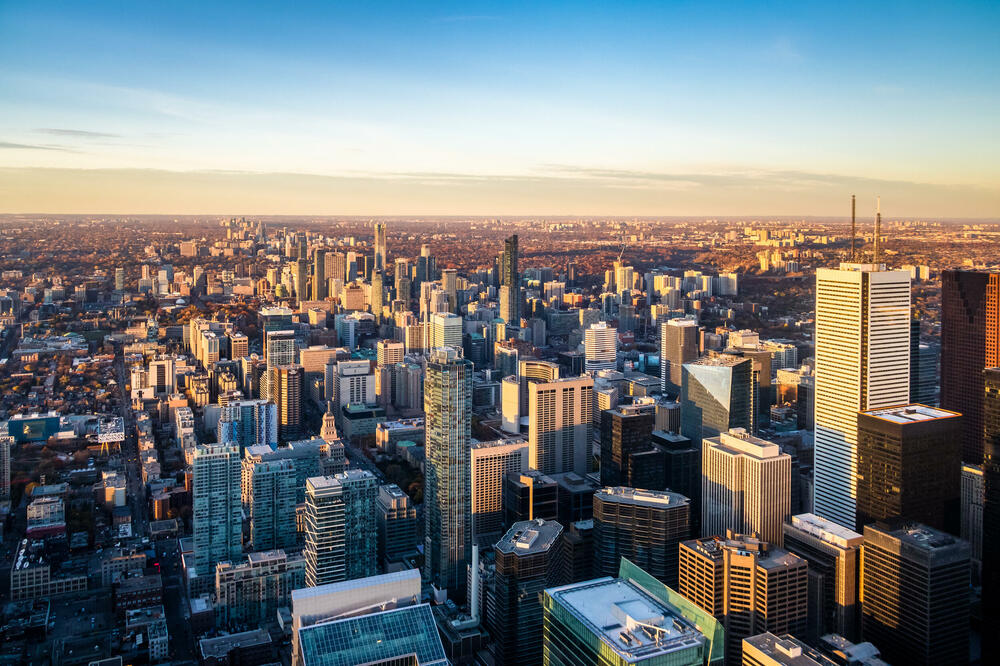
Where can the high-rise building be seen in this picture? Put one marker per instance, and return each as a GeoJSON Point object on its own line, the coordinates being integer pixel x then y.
{"type": "Point", "coordinates": [970, 343]}
{"type": "Point", "coordinates": [301, 279]}
{"type": "Point", "coordinates": [250, 591]}
{"type": "Point", "coordinates": [834, 556]}
{"type": "Point", "coordinates": [715, 396]}
{"type": "Point", "coordinates": [359, 494]}
{"type": "Point", "coordinates": [445, 330]}
{"type": "Point", "coordinates": [216, 506]}
{"type": "Point", "coordinates": [489, 463]}
{"type": "Point", "coordinates": [749, 586]}
{"type": "Point", "coordinates": [528, 560]}
{"type": "Point", "coordinates": [380, 247]}
{"type": "Point", "coordinates": [449, 283]}
{"type": "Point", "coordinates": [324, 531]}
{"type": "Point", "coordinates": [510, 283]}
{"type": "Point", "coordinates": [769, 650]}
{"type": "Point", "coordinates": [248, 423]}
{"type": "Point", "coordinates": [631, 620]}
{"type": "Point", "coordinates": [915, 594]}
{"type": "Point", "coordinates": [376, 295]}
{"type": "Point", "coordinates": [909, 466]}
{"type": "Point", "coordinates": [6, 443]}
{"type": "Point", "coordinates": [746, 485]}
{"type": "Point", "coordinates": [600, 344]}
{"type": "Point", "coordinates": [862, 363]}
{"type": "Point", "coordinates": [319, 275]}
{"type": "Point", "coordinates": [397, 523]}
{"type": "Point", "coordinates": [625, 431]}
{"type": "Point", "coordinates": [559, 424]}
{"type": "Point", "coordinates": [971, 529]}
{"type": "Point", "coordinates": [279, 348]}
{"type": "Point", "coordinates": [991, 512]}
{"type": "Point", "coordinates": [284, 389]}
{"type": "Point", "coordinates": [529, 495]}
{"type": "Point", "coordinates": [447, 501]}
{"type": "Point", "coordinates": [643, 526]}
{"type": "Point", "coordinates": [389, 352]}
{"type": "Point", "coordinates": [269, 501]}
{"type": "Point", "coordinates": [678, 345]}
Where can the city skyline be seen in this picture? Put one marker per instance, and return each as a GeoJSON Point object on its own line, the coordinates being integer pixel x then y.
{"type": "Point", "coordinates": [644, 109]}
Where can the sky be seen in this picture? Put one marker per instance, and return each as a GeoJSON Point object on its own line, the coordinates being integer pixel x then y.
{"type": "Point", "coordinates": [423, 108]}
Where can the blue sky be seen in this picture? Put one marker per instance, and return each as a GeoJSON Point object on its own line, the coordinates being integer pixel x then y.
{"type": "Point", "coordinates": [648, 108]}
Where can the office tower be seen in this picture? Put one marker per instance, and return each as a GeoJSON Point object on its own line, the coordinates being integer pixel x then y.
{"type": "Point", "coordinates": [336, 267]}
{"type": "Point", "coordinates": [389, 352]}
{"type": "Point", "coordinates": [359, 492]}
{"type": "Point", "coordinates": [239, 345]}
{"type": "Point", "coordinates": [909, 465]}
{"type": "Point", "coordinates": [678, 345]}
{"type": "Point", "coordinates": [682, 467]}
{"type": "Point", "coordinates": [529, 495]}
{"type": "Point", "coordinates": [643, 526]}
{"type": "Point", "coordinates": [324, 527]}
{"type": "Point", "coordinates": [862, 363]}
{"type": "Point", "coordinates": [351, 383]}
{"type": "Point", "coordinates": [715, 396]}
{"type": "Point", "coordinates": [528, 560]}
{"type": "Point", "coordinates": [748, 585]}
{"type": "Point", "coordinates": [301, 279]}
{"type": "Point", "coordinates": [578, 551]}
{"type": "Point", "coordinates": [215, 506]}
{"type": "Point", "coordinates": [248, 423]}
{"type": "Point", "coordinates": [510, 283]}
{"type": "Point", "coordinates": [631, 620]}
{"type": "Point", "coordinates": [163, 375]}
{"type": "Point", "coordinates": [380, 247]}
{"type": "Point", "coordinates": [445, 330]}
{"type": "Point", "coordinates": [449, 284]}
{"type": "Point", "coordinates": [915, 594]}
{"type": "Point", "coordinates": [746, 485]}
{"type": "Point", "coordinates": [600, 345]}
{"type": "Point", "coordinates": [119, 279]}
{"type": "Point", "coordinates": [972, 514]}
{"type": "Point", "coordinates": [834, 556]}
{"type": "Point", "coordinates": [319, 275]}
{"type": "Point", "coordinates": [284, 389]}
{"type": "Point", "coordinates": [575, 497]}
{"type": "Point", "coordinates": [560, 414]}
{"type": "Point", "coordinates": [769, 650]}
{"type": "Point", "coordinates": [397, 523]}
{"type": "Point", "coordinates": [250, 591]}
{"type": "Point", "coordinates": [490, 462]}
{"type": "Point", "coordinates": [270, 503]}
{"type": "Point", "coordinates": [279, 347]}
{"type": "Point", "coordinates": [625, 431]}
{"type": "Point", "coordinates": [991, 512]}
{"type": "Point", "coordinates": [6, 442]}
{"type": "Point", "coordinates": [447, 502]}
{"type": "Point", "coordinates": [970, 342]}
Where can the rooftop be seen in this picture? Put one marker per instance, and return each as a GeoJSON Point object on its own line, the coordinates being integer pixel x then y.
{"type": "Point", "coordinates": [661, 498]}
{"type": "Point", "coordinates": [787, 650]}
{"type": "Point", "coordinates": [530, 537]}
{"type": "Point", "coordinates": [912, 413]}
{"type": "Point", "coordinates": [220, 647]}
{"type": "Point", "coordinates": [826, 530]}
{"type": "Point", "coordinates": [739, 441]}
{"type": "Point", "coordinates": [633, 624]}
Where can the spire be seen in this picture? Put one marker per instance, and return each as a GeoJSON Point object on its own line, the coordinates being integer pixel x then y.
{"type": "Point", "coordinates": [329, 430]}
{"type": "Point", "coordinates": [878, 228]}
{"type": "Point", "coordinates": [854, 232]}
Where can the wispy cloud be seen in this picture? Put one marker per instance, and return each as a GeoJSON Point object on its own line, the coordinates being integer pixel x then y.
{"type": "Point", "coordinates": [24, 146]}
{"type": "Point", "coordinates": [83, 134]}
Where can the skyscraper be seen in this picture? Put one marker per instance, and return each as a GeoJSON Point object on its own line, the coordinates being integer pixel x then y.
{"type": "Point", "coordinates": [269, 499]}
{"type": "Point", "coordinates": [862, 363]}
{"type": "Point", "coordinates": [319, 275]}
{"type": "Point", "coordinates": [678, 345]}
{"type": "Point", "coordinates": [915, 594]}
{"type": "Point", "coordinates": [447, 502]}
{"type": "Point", "coordinates": [627, 430]}
{"type": "Point", "coordinates": [748, 585]}
{"type": "Point", "coordinates": [324, 528]}
{"type": "Point", "coordinates": [745, 486]}
{"type": "Point", "coordinates": [284, 389]}
{"type": "Point", "coordinates": [910, 466]}
{"type": "Point", "coordinates": [6, 442]}
{"type": "Point", "coordinates": [560, 417]}
{"type": "Point", "coordinates": [834, 556]}
{"type": "Point", "coordinates": [715, 396]}
{"type": "Point", "coordinates": [528, 560]}
{"type": "Point", "coordinates": [216, 506]}
{"type": "Point", "coordinates": [490, 462]}
{"type": "Point", "coordinates": [279, 347]}
{"type": "Point", "coordinates": [301, 279]}
{"type": "Point", "coordinates": [445, 330]}
{"type": "Point", "coordinates": [643, 526]}
{"type": "Point", "coordinates": [970, 342]}
{"type": "Point", "coordinates": [376, 295]}
{"type": "Point", "coordinates": [510, 283]}
{"type": "Point", "coordinates": [380, 247]}
{"type": "Point", "coordinates": [397, 523]}
{"type": "Point", "coordinates": [359, 492]}
{"type": "Point", "coordinates": [991, 512]}
{"type": "Point", "coordinates": [248, 423]}
{"type": "Point", "coordinates": [600, 344]}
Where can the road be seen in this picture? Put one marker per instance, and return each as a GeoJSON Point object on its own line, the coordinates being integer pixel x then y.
{"type": "Point", "coordinates": [135, 488]}
{"type": "Point", "coordinates": [359, 460]}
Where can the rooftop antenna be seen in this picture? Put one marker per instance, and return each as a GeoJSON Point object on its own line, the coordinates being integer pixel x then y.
{"type": "Point", "coordinates": [878, 227]}
{"type": "Point", "coordinates": [854, 232]}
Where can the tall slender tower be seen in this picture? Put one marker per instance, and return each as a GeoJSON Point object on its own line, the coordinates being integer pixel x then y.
{"type": "Point", "coordinates": [216, 506]}
{"type": "Point", "coordinates": [862, 363]}
{"type": "Point", "coordinates": [510, 284]}
{"type": "Point", "coordinates": [380, 251]}
{"type": "Point", "coordinates": [447, 504]}
{"type": "Point", "coordinates": [319, 275]}
{"type": "Point", "coordinates": [854, 231]}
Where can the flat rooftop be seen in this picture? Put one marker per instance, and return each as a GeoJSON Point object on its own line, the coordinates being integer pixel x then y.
{"type": "Point", "coordinates": [913, 413]}
{"type": "Point", "coordinates": [826, 530]}
{"type": "Point", "coordinates": [221, 646]}
{"type": "Point", "coordinates": [636, 626]}
{"type": "Point", "coordinates": [659, 498]}
{"type": "Point", "coordinates": [530, 537]}
{"type": "Point", "coordinates": [787, 650]}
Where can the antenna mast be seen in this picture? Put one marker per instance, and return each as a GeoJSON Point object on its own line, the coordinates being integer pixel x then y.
{"type": "Point", "coordinates": [878, 227]}
{"type": "Point", "coordinates": [854, 232]}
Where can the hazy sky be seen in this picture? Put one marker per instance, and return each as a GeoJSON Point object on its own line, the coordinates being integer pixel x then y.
{"type": "Point", "coordinates": [501, 108]}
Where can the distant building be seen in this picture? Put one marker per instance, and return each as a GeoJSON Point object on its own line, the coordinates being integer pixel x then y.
{"type": "Point", "coordinates": [397, 523]}
{"type": "Point", "coordinates": [678, 345]}
{"type": "Point", "coordinates": [216, 506]}
{"type": "Point", "coordinates": [490, 462]}
{"type": "Point", "coordinates": [249, 592]}
{"type": "Point", "coordinates": [600, 347]}
{"type": "Point", "coordinates": [270, 504]}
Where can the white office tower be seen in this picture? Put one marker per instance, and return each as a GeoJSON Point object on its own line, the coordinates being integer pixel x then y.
{"type": "Point", "coordinates": [862, 363]}
{"type": "Point", "coordinates": [445, 330]}
{"type": "Point", "coordinates": [560, 413]}
{"type": "Point", "coordinates": [600, 344]}
{"type": "Point", "coordinates": [746, 486]}
{"type": "Point", "coordinates": [217, 507]}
